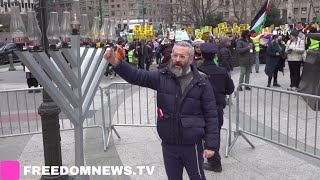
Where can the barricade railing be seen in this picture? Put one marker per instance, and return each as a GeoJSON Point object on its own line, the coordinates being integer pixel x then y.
{"type": "Point", "coordinates": [134, 106]}
{"type": "Point", "coordinates": [286, 118]}
{"type": "Point", "coordinates": [19, 113]}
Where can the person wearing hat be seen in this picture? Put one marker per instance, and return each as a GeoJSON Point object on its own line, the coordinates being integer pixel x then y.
{"type": "Point", "coordinates": [275, 59]}
{"type": "Point", "coordinates": [295, 48]}
{"type": "Point", "coordinates": [246, 56]}
{"type": "Point", "coordinates": [187, 120]}
{"type": "Point", "coordinates": [198, 60]}
{"type": "Point", "coordinates": [222, 85]}
{"type": "Point", "coordinates": [166, 48]}
{"type": "Point", "coordinates": [224, 54]}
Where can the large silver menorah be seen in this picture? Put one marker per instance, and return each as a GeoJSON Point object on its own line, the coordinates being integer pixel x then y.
{"type": "Point", "coordinates": [72, 80]}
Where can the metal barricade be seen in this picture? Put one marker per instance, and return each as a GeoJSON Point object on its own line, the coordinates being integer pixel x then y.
{"type": "Point", "coordinates": [278, 116]}
{"type": "Point", "coordinates": [19, 113]}
{"type": "Point", "coordinates": [134, 106]}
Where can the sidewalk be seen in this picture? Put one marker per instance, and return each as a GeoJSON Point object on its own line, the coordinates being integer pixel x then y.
{"type": "Point", "coordinates": [141, 146]}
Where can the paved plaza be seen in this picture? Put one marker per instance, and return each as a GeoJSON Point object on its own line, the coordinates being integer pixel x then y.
{"type": "Point", "coordinates": [141, 146]}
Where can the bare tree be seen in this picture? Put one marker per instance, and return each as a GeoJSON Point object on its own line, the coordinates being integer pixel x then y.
{"type": "Point", "coordinates": [240, 10]}
{"type": "Point", "coordinates": [313, 8]}
{"type": "Point", "coordinates": [197, 10]}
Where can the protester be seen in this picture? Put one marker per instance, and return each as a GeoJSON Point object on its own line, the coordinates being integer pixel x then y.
{"type": "Point", "coordinates": [166, 53]}
{"type": "Point", "coordinates": [275, 60]}
{"type": "Point", "coordinates": [256, 40]}
{"type": "Point", "coordinates": [148, 54]}
{"type": "Point", "coordinates": [224, 55]}
{"type": "Point", "coordinates": [295, 48]}
{"type": "Point", "coordinates": [222, 85]}
{"type": "Point", "coordinates": [246, 55]}
{"type": "Point", "coordinates": [187, 112]}
{"type": "Point", "coordinates": [198, 60]}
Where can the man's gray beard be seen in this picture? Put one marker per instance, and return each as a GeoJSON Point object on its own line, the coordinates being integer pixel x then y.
{"type": "Point", "coordinates": [179, 71]}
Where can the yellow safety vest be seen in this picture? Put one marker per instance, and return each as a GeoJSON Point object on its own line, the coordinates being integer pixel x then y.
{"type": "Point", "coordinates": [130, 56]}
{"type": "Point", "coordinates": [256, 41]}
{"type": "Point", "coordinates": [314, 44]}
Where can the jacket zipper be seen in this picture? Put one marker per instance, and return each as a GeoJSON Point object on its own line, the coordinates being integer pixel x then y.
{"type": "Point", "coordinates": [198, 165]}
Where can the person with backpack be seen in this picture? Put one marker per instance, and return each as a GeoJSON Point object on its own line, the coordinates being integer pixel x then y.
{"type": "Point", "coordinates": [222, 85]}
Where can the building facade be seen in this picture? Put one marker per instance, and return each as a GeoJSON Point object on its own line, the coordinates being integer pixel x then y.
{"type": "Point", "coordinates": [25, 5]}
{"type": "Point", "coordinates": [127, 12]}
{"type": "Point", "coordinates": [299, 10]}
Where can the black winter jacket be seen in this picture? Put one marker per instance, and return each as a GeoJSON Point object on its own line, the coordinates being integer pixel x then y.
{"type": "Point", "coordinates": [220, 80]}
{"type": "Point", "coordinates": [188, 117]}
{"type": "Point", "coordinates": [225, 57]}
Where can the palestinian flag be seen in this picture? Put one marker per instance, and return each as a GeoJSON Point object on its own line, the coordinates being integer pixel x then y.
{"type": "Point", "coordinates": [260, 18]}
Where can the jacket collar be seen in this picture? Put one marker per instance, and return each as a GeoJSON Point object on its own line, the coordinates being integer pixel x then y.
{"type": "Point", "coordinates": [206, 63]}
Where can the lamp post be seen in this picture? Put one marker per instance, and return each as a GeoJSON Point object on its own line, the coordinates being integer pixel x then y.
{"type": "Point", "coordinates": [49, 111]}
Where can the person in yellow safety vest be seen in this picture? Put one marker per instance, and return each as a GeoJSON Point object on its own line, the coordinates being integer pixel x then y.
{"type": "Point", "coordinates": [131, 58]}
{"type": "Point", "coordinates": [312, 44]}
{"type": "Point", "coordinates": [256, 40]}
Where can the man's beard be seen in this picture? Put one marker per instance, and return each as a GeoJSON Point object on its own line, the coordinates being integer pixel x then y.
{"type": "Point", "coordinates": [178, 69]}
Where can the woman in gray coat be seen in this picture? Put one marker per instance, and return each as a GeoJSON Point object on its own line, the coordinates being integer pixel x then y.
{"type": "Point", "coordinates": [246, 55]}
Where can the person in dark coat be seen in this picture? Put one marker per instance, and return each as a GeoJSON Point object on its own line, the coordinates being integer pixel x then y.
{"type": "Point", "coordinates": [224, 55]}
{"type": "Point", "coordinates": [148, 54]}
{"type": "Point", "coordinates": [187, 111]}
{"type": "Point", "coordinates": [246, 55]}
{"type": "Point", "coordinates": [274, 60]}
{"type": "Point", "coordinates": [198, 60]}
{"type": "Point", "coordinates": [166, 53]}
{"type": "Point", "coordinates": [222, 85]}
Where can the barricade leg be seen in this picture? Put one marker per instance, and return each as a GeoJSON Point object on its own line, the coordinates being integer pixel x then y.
{"type": "Point", "coordinates": [227, 143]}
{"type": "Point", "coordinates": [110, 133]}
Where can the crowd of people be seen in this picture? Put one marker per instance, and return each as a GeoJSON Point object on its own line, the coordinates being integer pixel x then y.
{"type": "Point", "coordinates": [193, 80]}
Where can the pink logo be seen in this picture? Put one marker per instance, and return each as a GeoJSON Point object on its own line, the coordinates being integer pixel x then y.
{"type": "Point", "coordinates": [10, 170]}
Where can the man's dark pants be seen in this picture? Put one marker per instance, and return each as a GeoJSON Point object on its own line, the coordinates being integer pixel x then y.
{"type": "Point", "coordinates": [215, 161]}
{"type": "Point", "coordinates": [176, 157]}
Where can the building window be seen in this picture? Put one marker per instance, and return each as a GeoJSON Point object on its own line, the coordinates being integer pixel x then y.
{"type": "Point", "coordinates": [303, 19]}
{"type": "Point", "coordinates": [316, 9]}
{"type": "Point", "coordinates": [118, 5]}
{"type": "Point", "coordinates": [112, 13]}
{"type": "Point", "coordinates": [226, 14]}
{"type": "Point", "coordinates": [227, 3]}
{"type": "Point", "coordinates": [296, 10]}
{"type": "Point", "coordinates": [304, 10]}
{"type": "Point", "coordinates": [112, 6]}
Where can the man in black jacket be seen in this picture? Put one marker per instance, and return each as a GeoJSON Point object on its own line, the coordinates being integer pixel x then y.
{"type": "Point", "coordinates": [222, 85]}
{"type": "Point", "coordinates": [187, 112]}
